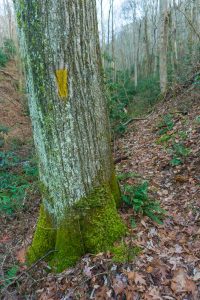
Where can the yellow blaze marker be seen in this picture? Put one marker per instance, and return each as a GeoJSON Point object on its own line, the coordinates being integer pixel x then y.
{"type": "Point", "coordinates": [62, 82]}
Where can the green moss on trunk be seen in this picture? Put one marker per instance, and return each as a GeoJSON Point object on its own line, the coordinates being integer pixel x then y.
{"type": "Point", "coordinates": [92, 225]}
{"type": "Point", "coordinates": [115, 189]}
{"type": "Point", "coordinates": [69, 243]}
{"type": "Point", "coordinates": [44, 237]}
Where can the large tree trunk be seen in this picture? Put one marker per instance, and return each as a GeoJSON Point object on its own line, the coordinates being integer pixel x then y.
{"type": "Point", "coordinates": [71, 131]}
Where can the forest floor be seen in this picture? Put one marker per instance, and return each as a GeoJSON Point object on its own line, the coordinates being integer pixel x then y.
{"type": "Point", "coordinates": [163, 150]}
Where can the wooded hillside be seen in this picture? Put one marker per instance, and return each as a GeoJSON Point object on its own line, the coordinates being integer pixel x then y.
{"type": "Point", "coordinates": [99, 149]}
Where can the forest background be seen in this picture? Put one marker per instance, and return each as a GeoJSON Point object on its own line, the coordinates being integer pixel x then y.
{"type": "Point", "coordinates": [148, 47]}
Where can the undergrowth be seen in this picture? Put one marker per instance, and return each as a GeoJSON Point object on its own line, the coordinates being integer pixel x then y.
{"type": "Point", "coordinates": [7, 52]}
{"type": "Point", "coordinates": [126, 100]}
{"type": "Point", "coordinates": [123, 253]}
{"type": "Point", "coordinates": [16, 177]}
{"type": "Point", "coordinates": [138, 198]}
{"type": "Point", "coordinates": [9, 276]}
{"type": "Point", "coordinates": [3, 132]}
{"type": "Point", "coordinates": [173, 140]}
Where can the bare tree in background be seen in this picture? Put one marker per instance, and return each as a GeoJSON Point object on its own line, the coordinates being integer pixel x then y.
{"type": "Point", "coordinates": [163, 42]}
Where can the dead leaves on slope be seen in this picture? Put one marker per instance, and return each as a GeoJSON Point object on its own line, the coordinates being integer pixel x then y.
{"type": "Point", "coordinates": [181, 283]}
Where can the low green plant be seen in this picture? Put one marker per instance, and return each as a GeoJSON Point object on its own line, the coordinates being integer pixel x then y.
{"type": "Point", "coordinates": [4, 129]}
{"type": "Point", "coordinates": [133, 223]}
{"type": "Point", "coordinates": [126, 100]}
{"type": "Point", "coordinates": [31, 169]}
{"type": "Point", "coordinates": [175, 161]}
{"type": "Point", "coordinates": [16, 143]}
{"type": "Point", "coordinates": [180, 150]}
{"type": "Point", "coordinates": [9, 48]}
{"type": "Point", "coordinates": [182, 135]}
{"type": "Point", "coordinates": [166, 124]}
{"type": "Point", "coordinates": [16, 177]}
{"type": "Point", "coordinates": [123, 253]}
{"type": "Point", "coordinates": [197, 120]}
{"type": "Point", "coordinates": [9, 277]}
{"type": "Point", "coordinates": [164, 139]}
{"type": "Point", "coordinates": [8, 159]}
{"type": "Point", "coordinates": [173, 141]}
{"type": "Point", "coordinates": [120, 94]}
{"type": "Point", "coordinates": [3, 58]}
{"type": "Point", "coordinates": [138, 198]}
{"type": "Point", "coordinates": [197, 80]}
{"type": "Point", "coordinates": [148, 92]}
{"type": "Point", "coordinates": [2, 141]}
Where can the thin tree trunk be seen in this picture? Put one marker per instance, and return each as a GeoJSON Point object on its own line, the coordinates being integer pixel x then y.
{"type": "Point", "coordinates": [175, 51]}
{"type": "Point", "coordinates": [102, 34]}
{"type": "Point", "coordinates": [113, 44]}
{"type": "Point", "coordinates": [135, 47]}
{"type": "Point", "coordinates": [71, 131]}
{"type": "Point", "coordinates": [163, 45]}
{"type": "Point", "coordinates": [148, 65]}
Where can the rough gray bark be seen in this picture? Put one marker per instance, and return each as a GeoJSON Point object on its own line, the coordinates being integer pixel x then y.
{"type": "Point", "coordinates": [69, 115]}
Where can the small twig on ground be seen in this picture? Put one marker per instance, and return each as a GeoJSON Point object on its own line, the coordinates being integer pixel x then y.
{"type": "Point", "coordinates": [179, 112]}
{"type": "Point", "coordinates": [30, 268]}
{"type": "Point", "coordinates": [133, 119]}
{"type": "Point", "coordinates": [119, 159]}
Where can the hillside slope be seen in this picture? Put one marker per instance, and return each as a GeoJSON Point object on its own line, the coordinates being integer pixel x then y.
{"type": "Point", "coordinates": [165, 151]}
{"type": "Point", "coordinates": [13, 111]}
{"type": "Point", "coordinates": [154, 261]}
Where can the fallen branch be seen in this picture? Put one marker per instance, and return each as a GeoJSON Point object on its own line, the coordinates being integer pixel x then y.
{"type": "Point", "coordinates": [137, 119]}
{"type": "Point", "coordinates": [133, 119]}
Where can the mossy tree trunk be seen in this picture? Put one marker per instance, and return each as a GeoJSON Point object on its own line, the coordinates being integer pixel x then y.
{"type": "Point", "coordinates": [60, 45]}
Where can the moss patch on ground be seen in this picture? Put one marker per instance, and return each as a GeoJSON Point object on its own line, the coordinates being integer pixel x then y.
{"type": "Point", "coordinates": [123, 253]}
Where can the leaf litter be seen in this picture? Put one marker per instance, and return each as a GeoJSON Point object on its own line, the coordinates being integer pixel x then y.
{"type": "Point", "coordinates": [168, 263]}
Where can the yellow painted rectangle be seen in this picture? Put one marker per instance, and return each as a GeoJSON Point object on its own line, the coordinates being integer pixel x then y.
{"type": "Point", "coordinates": [62, 82]}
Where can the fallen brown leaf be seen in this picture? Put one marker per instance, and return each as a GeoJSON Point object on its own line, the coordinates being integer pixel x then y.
{"type": "Point", "coordinates": [139, 279]}
{"type": "Point", "coordinates": [149, 269]}
{"type": "Point", "coordinates": [21, 255]}
{"type": "Point", "coordinates": [153, 294]}
{"type": "Point", "coordinates": [118, 286]}
{"type": "Point", "coordinates": [181, 283]}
